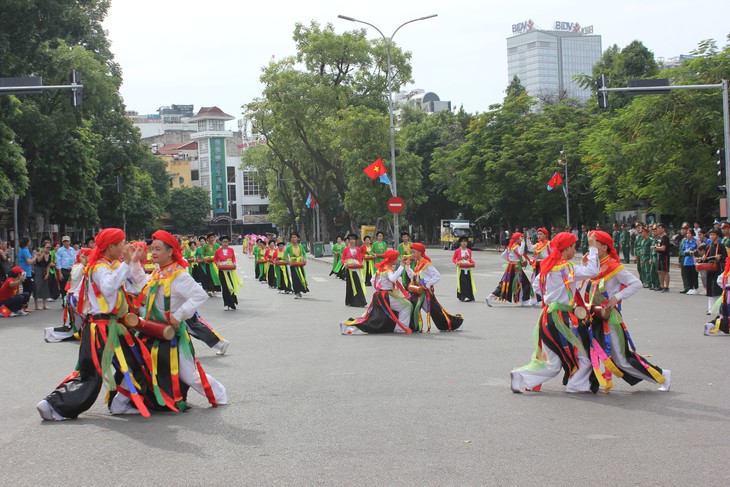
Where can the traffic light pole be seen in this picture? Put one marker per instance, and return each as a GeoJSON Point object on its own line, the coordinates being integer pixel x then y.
{"type": "Point", "coordinates": [725, 117]}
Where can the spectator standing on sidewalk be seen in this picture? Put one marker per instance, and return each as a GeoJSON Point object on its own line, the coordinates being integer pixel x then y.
{"type": "Point", "coordinates": [663, 250]}
{"type": "Point", "coordinates": [687, 251]}
{"type": "Point", "coordinates": [65, 258]}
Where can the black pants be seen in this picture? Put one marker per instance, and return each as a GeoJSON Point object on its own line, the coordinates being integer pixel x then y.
{"type": "Point", "coordinates": [17, 302]}
{"type": "Point", "coordinates": [689, 277]}
{"type": "Point", "coordinates": [63, 279]}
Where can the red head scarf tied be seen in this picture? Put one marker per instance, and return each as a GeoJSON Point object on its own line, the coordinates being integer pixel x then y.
{"type": "Point", "coordinates": [544, 231]}
{"type": "Point", "coordinates": [390, 256]}
{"type": "Point", "coordinates": [514, 238]}
{"type": "Point", "coordinates": [105, 238]}
{"type": "Point", "coordinates": [421, 248]}
{"type": "Point", "coordinates": [81, 253]}
{"type": "Point", "coordinates": [172, 242]}
{"type": "Point", "coordinates": [606, 239]}
{"type": "Point", "coordinates": [560, 242]}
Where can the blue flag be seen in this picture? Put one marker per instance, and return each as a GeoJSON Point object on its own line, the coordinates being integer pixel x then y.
{"type": "Point", "coordinates": [384, 179]}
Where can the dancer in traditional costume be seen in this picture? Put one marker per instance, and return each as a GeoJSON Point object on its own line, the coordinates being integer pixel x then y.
{"type": "Point", "coordinates": [263, 262]}
{"type": "Point", "coordinates": [541, 250]}
{"type": "Point", "coordinates": [283, 284]}
{"type": "Point", "coordinates": [73, 320]}
{"type": "Point", "coordinates": [192, 260]}
{"type": "Point", "coordinates": [108, 350]}
{"type": "Point", "coordinates": [611, 344]}
{"type": "Point", "coordinates": [270, 266]}
{"type": "Point", "coordinates": [561, 340]}
{"type": "Point", "coordinates": [423, 297]}
{"type": "Point", "coordinates": [462, 258]}
{"type": "Point", "coordinates": [297, 258]}
{"type": "Point", "coordinates": [225, 261]}
{"type": "Point", "coordinates": [209, 271]}
{"type": "Point", "coordinates": [404, 249]}
{"type": "Point", "coordinates": [514, 285]}
{"type": "Point", "coordinates": [389, 311]}
{"type": "Point", "coordinates": [352, 260]}
{"type": "Point", "coordinates": [338, 268]}
{"type": "Point", "coordinates": [257, 253]}
{"type": "Point", "coordinates": [379, 247]}
{"type": "Point", "coordinates": [368, 258]}
{"type": "Point", "coordinates": [170, 297]}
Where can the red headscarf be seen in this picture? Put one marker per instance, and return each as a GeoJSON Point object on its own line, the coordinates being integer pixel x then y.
{"type": "Point", "coordinates": [390, 256]}
{"type": "Point", "coordinates": [105, 238]}
{"type": "Point", "coordinates": [560, 242]}
{"type": "Point", "coordinates": [82, 252]}
{"type": "Point", "coordinates": [606, 239]}
{"type": "Point", "coordinates": [514, 238]}
{"type": "Point", "coordinates": [421, 248]}
{"type": "Point", "coordinates": [544, 230]}
{"type": "Point", "coordinates": [172, 242]}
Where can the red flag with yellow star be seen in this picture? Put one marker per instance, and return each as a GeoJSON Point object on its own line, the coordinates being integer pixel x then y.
{"type": "Point", "coordinates": [376, 169]}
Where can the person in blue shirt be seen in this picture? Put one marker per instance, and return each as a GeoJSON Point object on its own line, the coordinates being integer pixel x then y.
{"type": "Point", "coordinates": [26, 261]}
{"type": "Point", "coordinates": [65, 258]}
{"type": "Point", "coordinates": [687, 251]}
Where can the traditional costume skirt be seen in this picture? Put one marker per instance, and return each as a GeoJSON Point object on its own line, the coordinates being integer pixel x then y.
{"type": "Point", "coordinates": [722, 320]}
{"type": "Point", "coordinates": [200, 329]}
{"type": "Point", "coordinates": [559, 331]}
{"type": "Point", "coordinates": [514, 285]}
{"type": "Point", "coordinates": [354, 289]}
{"type": "Point", "coordinates": [611, 345]}
{"type": "Point", "coordinates": [435, 313]}
{"type": "Point", "coordinates": [337, 267]}
{"type": "Point", "coordinates": [282, 278]}
{"type": "Point", "coordinates": [109, 354]}
{"type": "Point", "coordinates": [209, 276]}
{"type": "Point", "coordinates": [271, 276]}
{"type": "Point", "coordinates": [465, 287]}
{"type": "Point", "coordinates": [369, 269]}
{"type": "Point", "coordinates": [382, 315]}
{"type": "Point", "coordinates": [197, 273]}
{"type": "Point", "coordinates": [230, 285]}
{"type": "Point", "coordinates": [299, 279]}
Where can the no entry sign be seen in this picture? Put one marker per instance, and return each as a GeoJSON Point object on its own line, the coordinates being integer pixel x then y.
{"type": "Point", "coordinates": [395, 204]}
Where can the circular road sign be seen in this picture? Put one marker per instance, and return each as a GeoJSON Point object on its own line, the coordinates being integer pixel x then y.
{"type": "Point", "coordinates": [395, 204]}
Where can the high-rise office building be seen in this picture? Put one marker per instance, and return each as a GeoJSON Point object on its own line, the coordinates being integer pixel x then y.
{"type": "Point", "coordinates": [546, 61]}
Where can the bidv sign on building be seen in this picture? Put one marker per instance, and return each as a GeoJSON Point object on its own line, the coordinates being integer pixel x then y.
{"type": "Point", "coordinates": [573, 27]}
{"type": "Point", "coordinates": [522, 27]}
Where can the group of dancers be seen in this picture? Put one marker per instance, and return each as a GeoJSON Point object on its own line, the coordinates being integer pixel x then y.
{"type": "Point", "coordinates": [580, 330]}
{"type": "Point", "coordinates": [281, 266]}
{"type": "Point", "coordinates": [135, 330]}
{"type": "Point", "coordinates": [403, 282]}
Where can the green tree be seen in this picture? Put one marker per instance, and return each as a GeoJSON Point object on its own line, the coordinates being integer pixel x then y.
{"type": "Point", "coordinates": [188, 207]}
{"type": "Point", "coordinates": [333, 85]}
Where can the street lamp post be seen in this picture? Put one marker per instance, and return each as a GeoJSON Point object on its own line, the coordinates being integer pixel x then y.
{"type": "Point", "coordinates": [388, 43]}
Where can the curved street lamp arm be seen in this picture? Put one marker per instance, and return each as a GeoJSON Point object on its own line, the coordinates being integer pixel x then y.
{"type": "Point", "coordinates": [409, 22]}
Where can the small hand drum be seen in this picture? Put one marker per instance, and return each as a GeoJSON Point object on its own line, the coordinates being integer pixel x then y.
{"type": "Point", "coordinates": [415, 289]}
{"type": "Point", "coordinates": [354, 265]}
{"type": "Point", "coordinates": [466, 265]}
{"type": "Point", "coordinates": [227, 267]}
{"type": "Point", "coordinates": [301, 263]}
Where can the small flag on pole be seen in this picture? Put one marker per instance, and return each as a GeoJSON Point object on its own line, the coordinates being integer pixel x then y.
{"type": "Point", "coordinates": [555, 181]}
{"type": "Point", "coordinates": [385, 179]}
{"type": "Point", "coordinates": [375, 170]}
{"type": "Point", "coordinates": [310, 201]}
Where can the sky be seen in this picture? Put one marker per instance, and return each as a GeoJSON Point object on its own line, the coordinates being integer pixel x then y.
{"type": "Point", "coordinates": [211, 53]}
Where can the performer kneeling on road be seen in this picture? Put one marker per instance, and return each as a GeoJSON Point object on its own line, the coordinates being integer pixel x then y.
{"type": "Point", "coordinates": [388, 300]}
{"type": "Point", "coordinates": [422, 279]}
{"type": "Point", "coordinates": [611, 342]}
{"type": "Point", "coordinates": [561, 341]}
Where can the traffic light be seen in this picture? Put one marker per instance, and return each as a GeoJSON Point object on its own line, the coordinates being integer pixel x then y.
{"type": "Point", "coordinates": [602, 95]}
{"type": "Point", "coordinates": [76, 93]}
{"type": "Point", "coordinates": [721, 170]}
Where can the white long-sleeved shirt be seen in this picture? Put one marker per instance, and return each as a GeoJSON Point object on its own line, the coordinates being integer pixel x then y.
{"type": "Point", "coordinates": [625, 278]}
{"type": "Point", "coordinates": [386, 281]}
{"type": "Point", "coordinates": [108, 282]}
{"type": "Point", "coordinates": [77, 277]}
{"type": "Point", "coordinates": [555, 290]}
{"type": "Point", "coordinates": [186, 295]}
{"type": "Point", "coordinates": [429, 275]}
{"type": "Point", "coordinates": [510, 255]}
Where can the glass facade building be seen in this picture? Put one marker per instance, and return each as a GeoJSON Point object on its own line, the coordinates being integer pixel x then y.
{"type": "Point", "coordinates": [546, 62]}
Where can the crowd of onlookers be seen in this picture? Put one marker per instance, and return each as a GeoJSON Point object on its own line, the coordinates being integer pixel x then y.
{"type": "Point", "coordinates": [40, 275]}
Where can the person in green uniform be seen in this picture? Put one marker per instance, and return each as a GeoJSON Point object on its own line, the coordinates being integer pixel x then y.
{"type": "Point", "coordinates": [337, 267]}
{"type": "Point", "coordinates": [654, 284]}
{"type": "Point", "coordinates": [639, 244]}
{"type": "Point", "coordinates": [616, 235]}
{"type": "Point", "coordinates": [295, 254]}
{"type": "Point", "coordinates": [626, 243]}
{"type": "Point", "coordinates": [211, 282]}
{"type": "Point", "coordinates": [725, 229]}
{"type": "Point", "coordinates": [379, 247]}
{"type": "Point", "coordinates": [404, 250]}
{"type": "Point", "coordinates": [583, 239]}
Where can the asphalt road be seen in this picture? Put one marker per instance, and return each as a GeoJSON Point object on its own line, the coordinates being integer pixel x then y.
{"type": "Point", "coordinates": [309, 406]}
